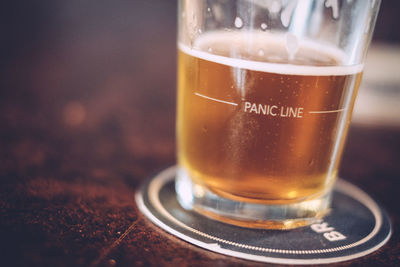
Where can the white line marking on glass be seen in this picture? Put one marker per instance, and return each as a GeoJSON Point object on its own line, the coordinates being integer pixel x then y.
{"type": "Point", "coordinates": [218, 100]}
{"type": "Point", "coordinates": [327, 111]}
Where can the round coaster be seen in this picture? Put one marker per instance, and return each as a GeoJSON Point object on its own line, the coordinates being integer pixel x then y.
{"type": "Point", "coordinates": [356, 226]}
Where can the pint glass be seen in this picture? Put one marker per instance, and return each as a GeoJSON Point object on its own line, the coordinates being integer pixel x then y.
{"type": "Point", "coordinates": [265, 95]}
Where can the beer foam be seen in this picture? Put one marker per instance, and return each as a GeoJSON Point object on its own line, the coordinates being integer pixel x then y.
{"type": "Point", "coordinates": [268, 40]}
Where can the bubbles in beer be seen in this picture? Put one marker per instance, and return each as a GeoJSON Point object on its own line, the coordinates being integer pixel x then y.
{"type": "Point", "coordinates": [238, 22]}
{"type": "Point", "coordinates": [247, 139]}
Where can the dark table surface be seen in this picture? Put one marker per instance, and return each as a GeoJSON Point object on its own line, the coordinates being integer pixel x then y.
{"type": "Point", "coordinates": [87, 111]}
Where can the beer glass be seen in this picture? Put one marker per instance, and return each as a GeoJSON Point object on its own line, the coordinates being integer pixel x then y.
{"type": "Point", "coordinates": [265, 94]}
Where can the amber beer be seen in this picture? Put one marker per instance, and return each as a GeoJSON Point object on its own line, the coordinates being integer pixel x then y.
{"type": "Point", "coordinates": [262, 125]}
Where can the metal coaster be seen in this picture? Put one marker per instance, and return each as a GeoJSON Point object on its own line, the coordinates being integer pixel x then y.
{"type": "Point", "coordinates": [356, 226]}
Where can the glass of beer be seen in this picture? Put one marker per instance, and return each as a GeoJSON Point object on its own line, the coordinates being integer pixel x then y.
{"type": "Point", "coordinates": [266, 90]}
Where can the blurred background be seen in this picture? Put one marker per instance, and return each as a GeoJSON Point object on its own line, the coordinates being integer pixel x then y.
{"type": "Point", "coordinates": [86, 75]}
{"type": "Point", "coordinates": [71, 71]}
{"type": "Point", "coordinates": [87, 112]}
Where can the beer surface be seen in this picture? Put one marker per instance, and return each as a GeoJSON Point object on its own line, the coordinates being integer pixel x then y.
{"type": "Point", "coordinates": [262, 127]}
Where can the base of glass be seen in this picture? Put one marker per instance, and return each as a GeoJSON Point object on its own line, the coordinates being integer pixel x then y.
{"type": "Point", "coordinates": [199, 198]}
